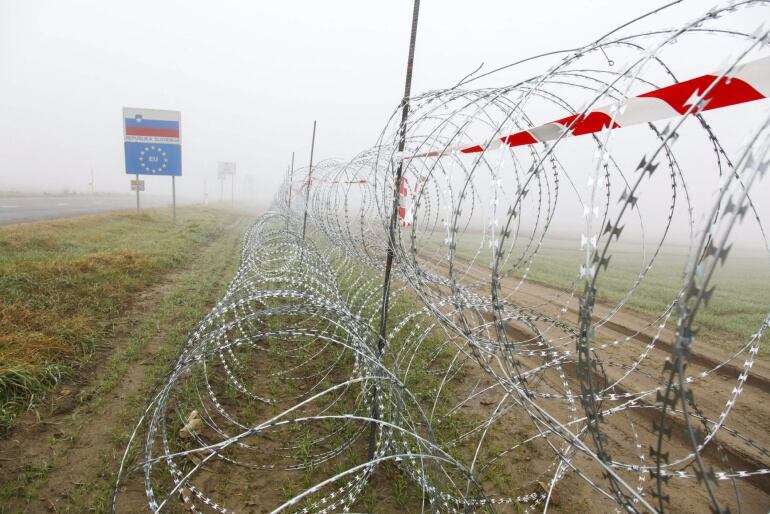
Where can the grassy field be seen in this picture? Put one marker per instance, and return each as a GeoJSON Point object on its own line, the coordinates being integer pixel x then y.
{"type": "Point", "coordinates": [740, 303]}
{"type": "Point", "coordinates": [64, 283]}
{"type": "Point", "coordinates": [65, 458]}
{"type": "Point", "coordinates": [119, 293]}
{"type": "Point", "coordinates": [390, 490]}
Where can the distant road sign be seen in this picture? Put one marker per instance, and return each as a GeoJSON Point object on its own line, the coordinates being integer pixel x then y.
{"type": "Point", "coordinates": [137, 185]}
{"type": "Point", "coordinates": [152, 141]}
{"type": "Point", "coordinates": [224, 169]}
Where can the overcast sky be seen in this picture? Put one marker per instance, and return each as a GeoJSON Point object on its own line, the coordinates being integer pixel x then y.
{"type": "Point", "coordinates": [248, 77]}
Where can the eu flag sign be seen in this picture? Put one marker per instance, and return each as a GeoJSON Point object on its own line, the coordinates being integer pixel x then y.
{"type": "Point", "coordinates": [152, 142]}
{"type": "Point", "coordinates": [153, 159]}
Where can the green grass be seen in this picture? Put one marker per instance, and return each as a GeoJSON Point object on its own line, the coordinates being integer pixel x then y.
{"type": "Point", "coordinates": [740, 303]}
{"type": "Point", "coordinates": [63, 284]}
{"type": "Point", "coordinates": [197, 283]}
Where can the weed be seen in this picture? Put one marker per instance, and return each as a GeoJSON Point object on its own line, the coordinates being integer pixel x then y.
{"type": "Point", "coordinates": [63, 282]}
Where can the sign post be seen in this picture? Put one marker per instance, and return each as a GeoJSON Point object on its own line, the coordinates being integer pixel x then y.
{"type": "Point", "coordinates": [137, 185]}
{"type": "Point", "coordinates": [153, 146]}
{"type": "Point", "coordinates": [223, 170]}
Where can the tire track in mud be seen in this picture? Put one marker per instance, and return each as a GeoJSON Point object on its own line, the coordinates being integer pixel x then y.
{"type": "Point", "coordinates": [632, 327]}
{"type": "Point", "coordinates": [74, 445]}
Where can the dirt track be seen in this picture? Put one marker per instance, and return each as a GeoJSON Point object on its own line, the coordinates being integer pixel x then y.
{"type": "Point", "coordinates": [80, 439]}
{"type": "Point", "coordinates": [633, 332]}
{"type": "Point", "coordinates": [63, 456]}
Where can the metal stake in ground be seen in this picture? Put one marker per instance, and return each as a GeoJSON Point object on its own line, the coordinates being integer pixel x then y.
{"type": "Point", "coordinates": [309, 177]}
{"type": "Point", "coordinates": [394, 218]}
{"type": "Point", "coordinates": [291, 176]}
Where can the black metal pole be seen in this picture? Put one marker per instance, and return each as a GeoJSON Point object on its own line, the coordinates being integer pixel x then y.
{"type": "Point", "coordinates": [291, 177]}
{"type": "Point", "coordinates": [394, 219]}
{"type": "Point", "coordinates": [309, 176]}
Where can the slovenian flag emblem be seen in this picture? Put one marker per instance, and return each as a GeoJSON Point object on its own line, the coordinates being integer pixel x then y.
{"type": "Point", "coordinates": [138, 125]}
{"type": "Point", "coordinates": [152, 141]}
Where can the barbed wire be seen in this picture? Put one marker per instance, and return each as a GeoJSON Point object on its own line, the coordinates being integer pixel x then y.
{"type": "Point", "coordinates": [497, 386]}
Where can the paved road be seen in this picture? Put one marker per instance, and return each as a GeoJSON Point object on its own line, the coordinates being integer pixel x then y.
{"type": "Point", "coordinates": [19, 209]}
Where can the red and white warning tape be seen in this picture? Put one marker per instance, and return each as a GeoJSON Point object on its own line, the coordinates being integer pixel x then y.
{"type": "Point", "coordinates": [404, 204]}
{"type": "Point", "coordinates": [746, 83]}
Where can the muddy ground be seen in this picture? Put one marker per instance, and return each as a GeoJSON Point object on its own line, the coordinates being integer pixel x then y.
{"type": "Point", "coordinates": [63, 456]}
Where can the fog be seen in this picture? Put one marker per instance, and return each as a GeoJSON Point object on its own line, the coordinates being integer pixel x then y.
{"type": "Point", "coordinates": [248, 77]}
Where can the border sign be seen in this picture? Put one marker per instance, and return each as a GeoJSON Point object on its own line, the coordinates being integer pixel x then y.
{"type": "Point", "coordinates": [152, 141]}
{"type": "Point", "coordinates": [137, 185]}
{"type": "Point", "coordinates": [224, 169]}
